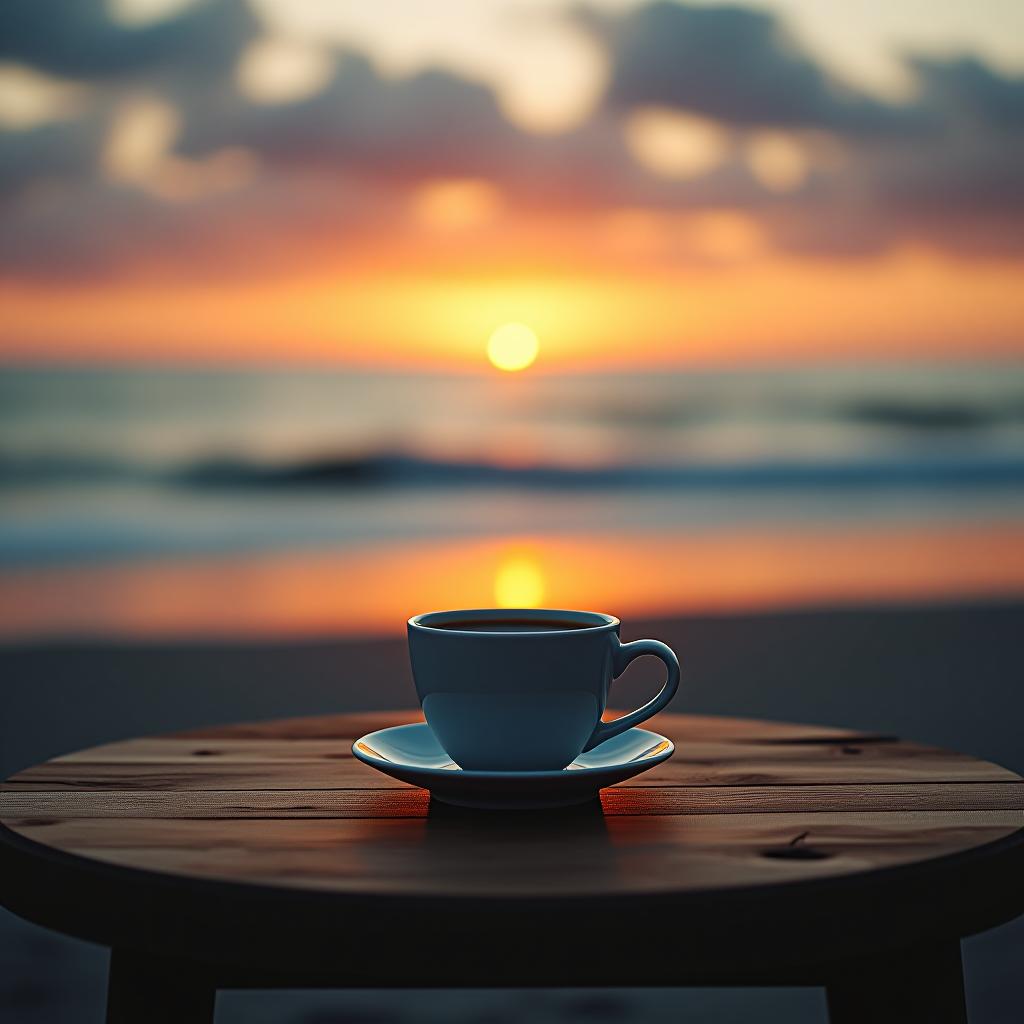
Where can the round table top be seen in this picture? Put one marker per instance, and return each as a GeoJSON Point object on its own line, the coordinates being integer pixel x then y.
{"type": "Point", "coordinates": [764, 820]}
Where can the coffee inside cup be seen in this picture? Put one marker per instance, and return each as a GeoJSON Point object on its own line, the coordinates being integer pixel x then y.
{"type": "Point", "coordinates": [509, 625]}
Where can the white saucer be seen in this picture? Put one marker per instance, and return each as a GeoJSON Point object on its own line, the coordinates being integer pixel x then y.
{"type": "Point", "coordinates": [411, 753]}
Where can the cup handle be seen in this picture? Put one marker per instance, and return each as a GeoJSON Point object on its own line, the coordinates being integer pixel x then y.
{"type": "Point", "coordinates": [624, 654]}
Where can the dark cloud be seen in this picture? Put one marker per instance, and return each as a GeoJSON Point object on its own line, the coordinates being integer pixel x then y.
{"type": "Point", "coordinates": [429, 124]}
{"type": "Point", "coordinates": [48, 153]}
{"type": "Point", "coordinates": [92, 228]}
{"type": "Point", "coordinates": [432, 124]}
{"type": "Point", "coordinates": [79, 39]}
{"type": "Point", "coordinates": [968, 90]}
{"type": "Point", "coordinates": [946, 167]}
{"type": "Point", "coordinates": [183, 56]}
{"type": "Point", "coordinates": [960, 184]}
{"type": "Point", "coordinates": [732, 64]}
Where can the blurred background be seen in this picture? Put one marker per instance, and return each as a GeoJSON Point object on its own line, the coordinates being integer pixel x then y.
{"type": "Point", "coordinates": [320, 314]}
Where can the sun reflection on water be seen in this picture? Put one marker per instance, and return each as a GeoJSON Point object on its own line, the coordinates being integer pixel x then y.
{"type": "Point", "coordinates": [375, 588]}
{"type": "Point", "coordinates": [519, 582]}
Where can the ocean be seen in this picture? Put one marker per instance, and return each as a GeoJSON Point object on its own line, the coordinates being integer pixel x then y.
{"type": "Point", "coordinates": [174, 502]}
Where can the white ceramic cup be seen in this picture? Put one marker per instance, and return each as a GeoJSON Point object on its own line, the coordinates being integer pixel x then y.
{"type": "Point", "coordinates": [524, 689]}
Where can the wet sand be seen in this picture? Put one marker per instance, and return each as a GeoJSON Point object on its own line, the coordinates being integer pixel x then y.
{"type": "Point", "coordinates": [948, 675]}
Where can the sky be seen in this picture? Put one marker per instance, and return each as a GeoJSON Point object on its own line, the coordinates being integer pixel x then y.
{"type": "Point", "coordinates": [641, 184]}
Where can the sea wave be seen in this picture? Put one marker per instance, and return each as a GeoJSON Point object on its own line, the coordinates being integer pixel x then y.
{"type": "Point", "coordinates": [400, 470]}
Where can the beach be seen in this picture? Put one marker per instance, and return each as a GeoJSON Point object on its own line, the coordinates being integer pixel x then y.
{"type": "Point", "coordinates": [318, 317]}
{"type": "Point", "coordinates": [943, 674]}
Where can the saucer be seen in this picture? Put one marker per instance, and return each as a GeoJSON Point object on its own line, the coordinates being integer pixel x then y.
{"type": "Point", "coordinates": [412, 754]}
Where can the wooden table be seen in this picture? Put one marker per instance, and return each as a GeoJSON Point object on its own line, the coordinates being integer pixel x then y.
{"type": "Point", "coordinates": [762, 853]}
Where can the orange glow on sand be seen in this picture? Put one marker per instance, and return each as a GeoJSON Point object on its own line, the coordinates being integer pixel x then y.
{"type": "Point", "coordinates": [374, 590]}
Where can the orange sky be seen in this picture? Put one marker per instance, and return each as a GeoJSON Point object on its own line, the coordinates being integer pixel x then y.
{"type": "Point", "coordinates": [909, 304]}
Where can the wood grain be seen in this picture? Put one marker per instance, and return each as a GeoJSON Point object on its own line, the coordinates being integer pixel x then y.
{"type": "Point", "coordinates": [681, 727]}
{"type": "Point", "coordinates": [261, 763]}
{"type": "Point", "coordinates": [416, 856]}
{"type": "Point", "coordinates": [285, 804]}
{"type": "Point", "coordinates": [409, 801]}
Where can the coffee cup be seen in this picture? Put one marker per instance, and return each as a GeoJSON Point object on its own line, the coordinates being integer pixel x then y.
{"type": "Point", "coordinates": [524, 689]}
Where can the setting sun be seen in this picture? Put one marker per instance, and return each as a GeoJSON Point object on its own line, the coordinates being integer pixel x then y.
{"type": "Point", "coordinates": [512, 347]}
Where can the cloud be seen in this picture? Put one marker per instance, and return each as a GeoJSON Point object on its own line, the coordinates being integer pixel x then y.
{"type": "Point", "coordinates": [944, 167]}
{"type": "Point", "coordinates": [79, 39]}
{"type": "Point", "coordinates": [433, 123]}
{"type": "Point", "coordinates": [733, 64]}
{"type": "Point", "coordinates": [90, 228]}
{"type": "Point", "coordinates": [960, 184]}
{"type": "Point", "coordinates": [48, 152]}
{"type": "Point", "coordinates": [821, 167]}
{"type": "Point", "coordinates": [970, 90]}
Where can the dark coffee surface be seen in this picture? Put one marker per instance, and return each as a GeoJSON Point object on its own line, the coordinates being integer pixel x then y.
{"type": "Point", "coordinates": [509, 625]}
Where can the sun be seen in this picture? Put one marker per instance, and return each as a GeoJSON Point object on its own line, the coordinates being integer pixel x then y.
{"type": "Point", "coordinates": [512, 347]}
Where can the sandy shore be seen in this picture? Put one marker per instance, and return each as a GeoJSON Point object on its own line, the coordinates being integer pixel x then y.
{"type": "Point", "coordinates": [945, 675]}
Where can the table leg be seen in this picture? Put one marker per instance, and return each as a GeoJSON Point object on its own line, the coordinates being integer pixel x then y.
{"type": "Point", "coordinates": [924, 985]}
{"type": "Point", "coordinates": [151, 990]}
